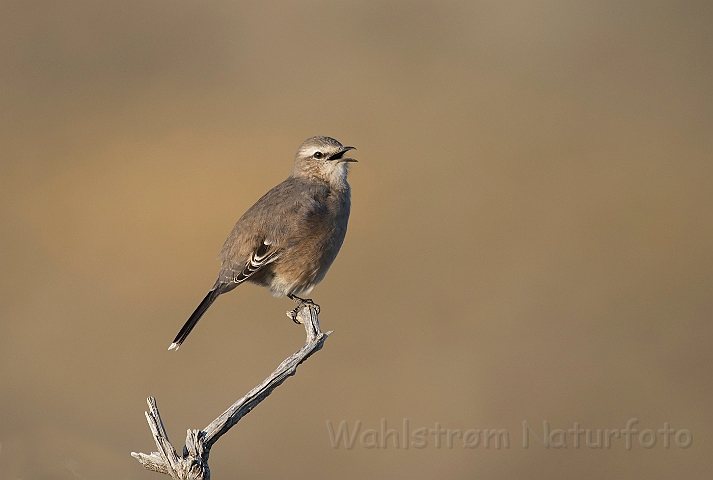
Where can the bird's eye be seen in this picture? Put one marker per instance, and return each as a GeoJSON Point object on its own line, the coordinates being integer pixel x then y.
{"type": "Point", "coordinates": [318, 155]}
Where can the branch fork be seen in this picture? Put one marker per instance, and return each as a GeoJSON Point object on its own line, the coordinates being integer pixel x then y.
{"type": "Point", "coordinates": [193, 463]}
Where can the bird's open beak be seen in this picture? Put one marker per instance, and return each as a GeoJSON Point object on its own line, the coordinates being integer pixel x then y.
{"type": "Point", "coordinates": [339, 156]}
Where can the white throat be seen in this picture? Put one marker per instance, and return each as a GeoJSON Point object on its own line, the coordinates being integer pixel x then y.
{"type": "Point", "coordinates": [336, 173]}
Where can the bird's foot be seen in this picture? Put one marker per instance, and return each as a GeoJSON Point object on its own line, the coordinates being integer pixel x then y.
{"type": "Point", "coordinates": [301, 302]}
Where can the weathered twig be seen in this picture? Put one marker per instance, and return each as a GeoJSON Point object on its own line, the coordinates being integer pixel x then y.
{"type": "Point", "coordinates": [193, 464]}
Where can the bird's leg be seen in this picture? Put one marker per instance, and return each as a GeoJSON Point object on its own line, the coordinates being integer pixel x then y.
{"type": "Point", "coordinates": [300, 303]}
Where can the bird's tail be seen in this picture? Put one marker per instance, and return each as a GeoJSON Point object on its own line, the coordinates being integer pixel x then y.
{"type": "Point", "coordinates": [193, 319]}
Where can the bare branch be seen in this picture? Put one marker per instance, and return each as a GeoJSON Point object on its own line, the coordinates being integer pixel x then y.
{"type": "Point", "coordinates": [193, 464]}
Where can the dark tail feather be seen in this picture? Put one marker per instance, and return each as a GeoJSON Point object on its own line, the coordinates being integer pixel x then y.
{"type": "Point", "coordinates": [193, 319]}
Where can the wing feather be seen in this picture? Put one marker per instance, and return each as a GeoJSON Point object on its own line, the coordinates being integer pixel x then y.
{"type": "Point", "coordinates": [264, 255]}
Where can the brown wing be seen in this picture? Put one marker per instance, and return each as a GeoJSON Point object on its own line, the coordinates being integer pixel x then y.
{"type": "Point", "coordinates": [263, 255]}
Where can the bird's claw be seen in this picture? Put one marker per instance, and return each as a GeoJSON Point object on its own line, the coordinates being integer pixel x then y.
{"type": "Point", "coordinates": [301, 303]}
{"type": "Point", "coordinates": [293, 316]}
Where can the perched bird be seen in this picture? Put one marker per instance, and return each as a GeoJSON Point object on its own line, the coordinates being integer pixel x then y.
{"type": "Point", "coordinates": [288, 240]}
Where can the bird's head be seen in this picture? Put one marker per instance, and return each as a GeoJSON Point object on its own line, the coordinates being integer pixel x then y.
{"type": "Point", "coordinates": [323, 157]}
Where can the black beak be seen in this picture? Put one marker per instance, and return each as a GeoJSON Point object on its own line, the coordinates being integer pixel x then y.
{"type": "Point", "coordinates": [339, 156]}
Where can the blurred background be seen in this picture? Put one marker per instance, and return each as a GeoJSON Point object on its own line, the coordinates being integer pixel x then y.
{"type": "Point", "coordinates": [530, 237]}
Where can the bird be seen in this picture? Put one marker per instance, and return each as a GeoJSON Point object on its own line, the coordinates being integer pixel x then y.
{"type": "Point", "coordinates": [289, 238]}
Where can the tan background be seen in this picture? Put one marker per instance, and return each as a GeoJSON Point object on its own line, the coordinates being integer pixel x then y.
{"type": "Point", "coordinates": [530, 236]}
